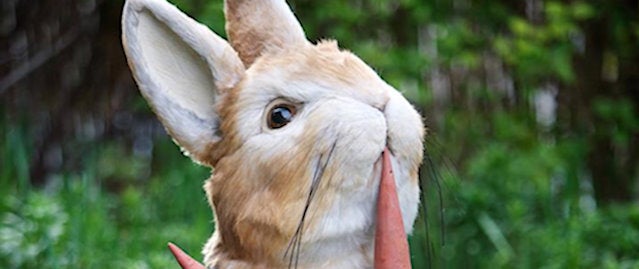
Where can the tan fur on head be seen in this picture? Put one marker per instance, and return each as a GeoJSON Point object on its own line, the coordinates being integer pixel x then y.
{"type": "Point", "coordinates": [302, 194]}
{"type": "Point", "coordinates": [255, 26]}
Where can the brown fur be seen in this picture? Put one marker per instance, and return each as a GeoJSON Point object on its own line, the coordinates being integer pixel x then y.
{"type": "Point", "coordinates": [254, 26]}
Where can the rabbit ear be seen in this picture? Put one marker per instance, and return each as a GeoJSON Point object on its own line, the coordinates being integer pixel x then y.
{"type": "Point", "coordinates": [181, 67]}
{"type": "Point", "coordinates": [254, 26]}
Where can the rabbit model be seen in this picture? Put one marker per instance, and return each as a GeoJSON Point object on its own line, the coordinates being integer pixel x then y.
{"type": "Point", "coordinates": [294, 132]}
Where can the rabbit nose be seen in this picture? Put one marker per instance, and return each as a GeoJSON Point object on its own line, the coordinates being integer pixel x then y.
{"type": "Point", "coordinates": [381, 107]}
{"type": "Point", "coordinates": [383, 104]}
{"type": "Point", "coordinates": [377, 98]}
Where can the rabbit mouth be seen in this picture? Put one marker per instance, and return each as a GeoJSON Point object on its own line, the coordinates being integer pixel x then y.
{"type": "Point", "coordinates": [390, 239]}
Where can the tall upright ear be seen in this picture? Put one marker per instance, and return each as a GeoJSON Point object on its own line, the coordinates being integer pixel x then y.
{"type": "Point", "coordinates": [181, 67]}
{"type": "Point", "coordinates": [254, 26]}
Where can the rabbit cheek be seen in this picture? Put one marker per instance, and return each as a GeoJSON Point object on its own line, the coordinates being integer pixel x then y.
{"type": "Point", "coordinates": [405, 131]}
{"type": "Point", "coordinates": [258, 193]}
{"type": "Point", "coordinates": [405, 139]}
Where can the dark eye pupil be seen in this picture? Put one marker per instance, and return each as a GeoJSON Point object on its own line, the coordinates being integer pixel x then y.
{"type": "Point", "coordinates": [280, 116]}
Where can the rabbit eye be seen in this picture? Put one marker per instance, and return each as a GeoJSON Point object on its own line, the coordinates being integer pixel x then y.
{"type": "Point", "coordinates": [280, 115]}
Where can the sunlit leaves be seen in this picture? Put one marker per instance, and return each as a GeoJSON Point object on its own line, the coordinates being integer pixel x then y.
{"type": "Point", "coordinates": [545, 49]}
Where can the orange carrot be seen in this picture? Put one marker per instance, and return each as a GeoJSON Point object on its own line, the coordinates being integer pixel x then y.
{"type": "Point", "coordinates": [391, 245]}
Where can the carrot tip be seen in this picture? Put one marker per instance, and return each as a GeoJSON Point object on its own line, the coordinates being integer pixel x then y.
{"type": "Point", "coordinates": [391, 245]}
{"type": "Point", "coordinates": [185, 261]}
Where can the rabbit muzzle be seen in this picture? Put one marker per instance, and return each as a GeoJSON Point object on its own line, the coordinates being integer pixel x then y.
{"type": "Point", "coordinates": [391, 247]}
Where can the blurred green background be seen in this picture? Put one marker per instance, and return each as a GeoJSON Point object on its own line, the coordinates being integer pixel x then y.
{"type": "Point", "coordinates": [532, 108]}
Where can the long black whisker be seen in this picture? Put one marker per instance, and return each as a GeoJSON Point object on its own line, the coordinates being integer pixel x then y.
{"type": "Point", "coordinates": [296, 239]}
{"type": "Point", "coordinates": [436, 162]}
{"type": "Point", "coordinates": [426, 228]}
{"type": "Point", "coordinates": [437, 177]}
{"type": "Point", "coordinates": [312, 194]}
{"type": "Point", "coordinates": [295, 244]}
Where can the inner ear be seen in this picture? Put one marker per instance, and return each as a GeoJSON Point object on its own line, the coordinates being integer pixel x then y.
{"type": "Point", "coordinates": [181, 68]}
{"type": "Point", "coordinates": [174, 65]}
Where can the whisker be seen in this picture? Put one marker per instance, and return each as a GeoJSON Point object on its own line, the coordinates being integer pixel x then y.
{"type": "Point", "coordinates": [435, 163]}
{"type": "Point", "coordinates": [294, 246]}
{"type": "Point", "coordinates": [435, 176]}
{"type": "Point", "coordinates": [429, 250]}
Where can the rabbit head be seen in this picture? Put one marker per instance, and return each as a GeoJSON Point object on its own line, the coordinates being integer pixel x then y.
{"type": "Point", "coordinates": [294, 132]}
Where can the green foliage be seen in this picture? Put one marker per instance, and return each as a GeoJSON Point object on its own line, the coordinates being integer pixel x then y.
{"type": "Point", "coordinates": [30, 230]}
{"type": "Point", "coordinates": [77, 221]}
{"type": "Point", "coordinates": [520, 205]}
{"type": "Point", "coordinates": [619, 118]}
{"type": "Point", "coordinates": [544, 50]}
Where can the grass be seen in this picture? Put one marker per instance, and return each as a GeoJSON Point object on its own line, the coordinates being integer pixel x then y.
{"type": "Point", "coordinates": [75, 221]}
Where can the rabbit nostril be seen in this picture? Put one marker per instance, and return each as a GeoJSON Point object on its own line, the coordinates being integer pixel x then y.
{"type": "Point", "coordinates": [381, 107]}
